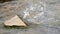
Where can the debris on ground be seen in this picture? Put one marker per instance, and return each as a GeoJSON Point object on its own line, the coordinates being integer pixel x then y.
{"type": "Point", "coordinates": [15, 21]}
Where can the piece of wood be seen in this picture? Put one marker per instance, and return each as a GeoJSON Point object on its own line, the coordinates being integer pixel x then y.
{"type": "Point", "coordinates": [14, 21]}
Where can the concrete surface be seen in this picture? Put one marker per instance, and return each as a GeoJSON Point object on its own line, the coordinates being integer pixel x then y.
{"type": "Point", "coordinates": [51, 25]}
